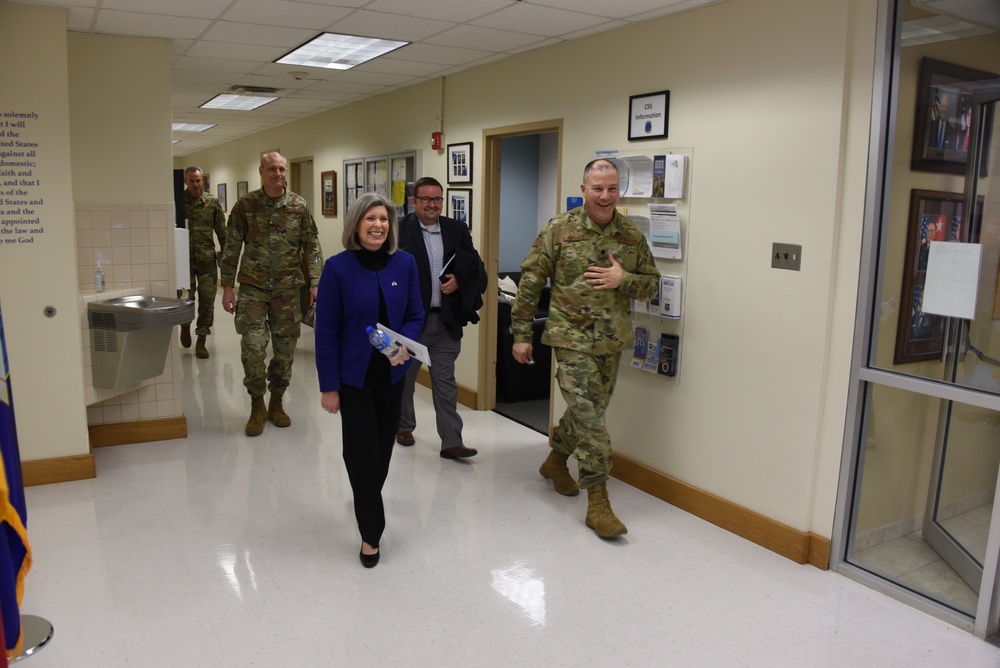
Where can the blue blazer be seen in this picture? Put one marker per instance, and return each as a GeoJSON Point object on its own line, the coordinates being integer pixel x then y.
{"type": "Point", "coordinates": [347, 302]}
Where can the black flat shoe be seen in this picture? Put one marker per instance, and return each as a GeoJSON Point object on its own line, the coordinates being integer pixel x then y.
{"type": "Point", "coordinates": [369, 560]}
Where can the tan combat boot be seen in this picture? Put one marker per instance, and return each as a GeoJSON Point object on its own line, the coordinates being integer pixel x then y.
{"type": "Point", "coordinates": [600, 517]}
{"type": "Point", "coordinates": [199, 348]}
{"type": "Point", "coordinates": [555, 470]}
{"type": "Point", "coordinates": [276, 413]}
{"type": "Point", "coordinates": [186, 335]}
{"type": "Point", "coordinates": [258, 416]}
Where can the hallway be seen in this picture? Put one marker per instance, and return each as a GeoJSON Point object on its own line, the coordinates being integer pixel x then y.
{"type": "Point", "coordinates": [223, 550]}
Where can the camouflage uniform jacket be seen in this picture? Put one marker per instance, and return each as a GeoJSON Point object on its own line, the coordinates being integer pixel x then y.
{"type": "Point", "coordinates": [580, 317]}
{"type": "Point", "coordinates": [274, 234]}
{"type": "Point", "coordinates": [204, 215]}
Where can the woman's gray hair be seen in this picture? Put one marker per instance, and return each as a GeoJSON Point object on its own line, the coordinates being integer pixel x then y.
{"type": "Point", "coordinates": [358, 211]}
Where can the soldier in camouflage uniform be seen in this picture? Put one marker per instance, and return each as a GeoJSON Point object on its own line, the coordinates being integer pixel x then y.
{"type": "Point", "coordinates": [204, 215]}
{"type": "Point", "coordinates": [275, 230]}
{"type": "Point", "coordinates": [597, 260]}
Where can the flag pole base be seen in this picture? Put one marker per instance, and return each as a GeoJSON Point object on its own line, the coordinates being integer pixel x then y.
{"type": "Point", "coordinates": [37, 633]}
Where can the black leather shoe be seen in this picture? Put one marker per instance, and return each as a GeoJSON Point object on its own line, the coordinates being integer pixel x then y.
{"type": "Point", "coordinates": [459, 452]}
{"type": "Point", "coordinates": [369, 560]}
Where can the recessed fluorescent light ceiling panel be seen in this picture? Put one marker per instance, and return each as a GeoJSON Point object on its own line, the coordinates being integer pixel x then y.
{"type": "Point", "coordinates": [239, 102]}
{"type": "Point", "coordinates": [339, 52]}
{"type": "Point", "coordinates": [191, 127]}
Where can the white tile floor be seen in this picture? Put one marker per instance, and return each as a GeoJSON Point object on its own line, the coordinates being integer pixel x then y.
{"type": "Point", "coordinates": [219, 550]}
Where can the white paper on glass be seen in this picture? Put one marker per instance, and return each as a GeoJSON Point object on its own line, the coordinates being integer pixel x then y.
{"type": "Point", "coordinates": [664, 231]}
{"type": "Point", "coordinates": [673, 181]}
{"type": "Point", "coordinates": [182, 263]}
{"type": "Point", "coordinates": [635, 175]}
{"type": "Point", "coordinates": [952, 281]}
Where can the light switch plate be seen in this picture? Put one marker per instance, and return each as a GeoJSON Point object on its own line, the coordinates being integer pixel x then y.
{"type": "Point", "coordinates": [786, 256]}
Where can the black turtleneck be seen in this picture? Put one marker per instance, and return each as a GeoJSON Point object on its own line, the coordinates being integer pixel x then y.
{"type": "Point", "coordinates": [376, 261]}
{"type": "Point", "coordinates": [372, 260]}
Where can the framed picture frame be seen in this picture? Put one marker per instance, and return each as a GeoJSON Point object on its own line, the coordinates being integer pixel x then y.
{"type": "Point", "coordinates": [223, 201]}
{"type": "Point", "coordinates": [460, 205]}
{"type": "Point", "coordinates": [242, 188]}
{"type": "Point", "coordinates": [460, 163]}
{"type": "Point", "coordinates": [942, 124]}
{"type": "Point", "coordinates": [648, 115]}
{"type": "Point", "coordinates": [328, 186]}
{"type": "Point", "coordinates": [934, 216]}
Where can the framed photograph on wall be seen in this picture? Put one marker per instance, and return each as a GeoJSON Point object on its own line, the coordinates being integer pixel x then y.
{"type": "Point", "coordinates": [460, 205]}
{"type": "Point", "coordinates": [222, 197]}
{"type": "Point", "coordinates": [242, 188]}
{"type": "Point", "coordinates": [647, 115]}
{"type": "Point", "coordinates": [934, 216]}
{"type": "Point", "coordinates": [460, 163]}
{"type": "Point", "coordinates": [328, 185]}
{"type": "Point", "coordinates": [943, 122]}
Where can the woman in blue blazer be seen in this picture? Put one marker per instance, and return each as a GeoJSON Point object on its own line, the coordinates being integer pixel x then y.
{"type": "Point", "coordinates": [370, 282]}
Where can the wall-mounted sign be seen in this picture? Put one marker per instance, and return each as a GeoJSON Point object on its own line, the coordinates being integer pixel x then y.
{"type": "Point", "coordinates": [647, 115]}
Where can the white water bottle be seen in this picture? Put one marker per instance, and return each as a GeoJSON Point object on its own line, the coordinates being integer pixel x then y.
{"type": "Point", "coordinates": [383, 342]}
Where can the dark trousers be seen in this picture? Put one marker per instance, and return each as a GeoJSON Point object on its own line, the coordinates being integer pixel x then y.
{"type": "Point", "coordinates": [369, 417]}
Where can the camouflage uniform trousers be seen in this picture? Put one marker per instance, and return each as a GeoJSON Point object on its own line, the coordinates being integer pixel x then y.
{"type": "Point", "coordinates": [204, 284]}
{"type": "Point", "coordinates": [263, 315]}
{"type": "Point", "coordinates": [587, 382]}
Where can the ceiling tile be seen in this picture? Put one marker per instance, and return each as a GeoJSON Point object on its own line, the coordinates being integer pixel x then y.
{"type": "Point", "coordinates": [476, 37]}
{"type": "Point", "coordinates": [536, 20]}
{"type": "Point", "coordinates": [390, 26]}
{"type": "Point", "coordinates": [204, 48]}
{"type": "Point", "coordinates": [147, 25]}
{"type": "Point", "coordinates": [214, 65]}
{"type": "Point", "coordinates": [445, 55]}
{"type": "Point", "coordinates": [203, 9]}
{"type": "Point", "coordinates": [442, 10]}
{"type": "Point", "coordinates": [390, 65]}
{"type": "Point", "coordinates": [248, 33]}
{"type": "Point", "coordinates": [288, 14]}
{"type": "Point", "coordinates": [615, 9]}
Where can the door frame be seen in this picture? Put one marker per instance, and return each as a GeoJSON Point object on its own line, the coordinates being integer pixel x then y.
{"type": "Point", "coordinates": [486, 394]}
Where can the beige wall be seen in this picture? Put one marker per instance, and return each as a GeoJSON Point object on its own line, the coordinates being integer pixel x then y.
{"type": "Point", "coordinates": [44, 354]}
{"type": "Point", "coordinates": [774, 97]}
{"type": "Point", "coordinates": [123, 188]}
{"type": "Point", "coordinates": [120, 122]}
{"type": "Point", "coordinates": [105, 163]}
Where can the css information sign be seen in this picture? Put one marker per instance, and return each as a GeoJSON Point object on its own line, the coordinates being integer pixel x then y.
{"type": "Point", "coordinates": [647, 115]}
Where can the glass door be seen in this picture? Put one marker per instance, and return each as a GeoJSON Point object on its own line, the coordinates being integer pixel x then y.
{"type": "Point", "coordinates": [967, 454]}
{"type": "Point", "coordinates": [917, 517]}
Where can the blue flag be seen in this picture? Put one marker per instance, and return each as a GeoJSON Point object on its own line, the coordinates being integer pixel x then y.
{"type": "Point", "coordinates": [15, 553]}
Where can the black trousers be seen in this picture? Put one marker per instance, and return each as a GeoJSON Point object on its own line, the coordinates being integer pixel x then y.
{"type": "Point", "coordinates": [369, 417]}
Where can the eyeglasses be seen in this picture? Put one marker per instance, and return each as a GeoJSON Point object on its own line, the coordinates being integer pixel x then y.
{"type": "Point", "coordinates": [429, 200]}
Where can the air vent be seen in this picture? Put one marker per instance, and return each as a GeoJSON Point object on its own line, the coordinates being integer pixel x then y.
{"type": "Point", "coordinates": [253, 90]}
{"type": "Point", "coordinates": [99, 320]}
{"type": "Point", "coordinates": [105, 341]}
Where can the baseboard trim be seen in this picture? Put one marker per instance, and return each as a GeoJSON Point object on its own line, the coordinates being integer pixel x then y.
{"type": "Point", "coordinates": [58, 469]}
{"type": "Point", "coordinates": [801, 547]}
{"type": "Point", "coordinates": [139, 431]}
{"type": "Point", "coordinates": [466, 397]}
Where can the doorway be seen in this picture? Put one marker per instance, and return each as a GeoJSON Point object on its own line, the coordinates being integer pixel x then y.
{"type": "Point", "coordinates": [301, 182]}
{"type": "Point", "coordinates": [515, 208]}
